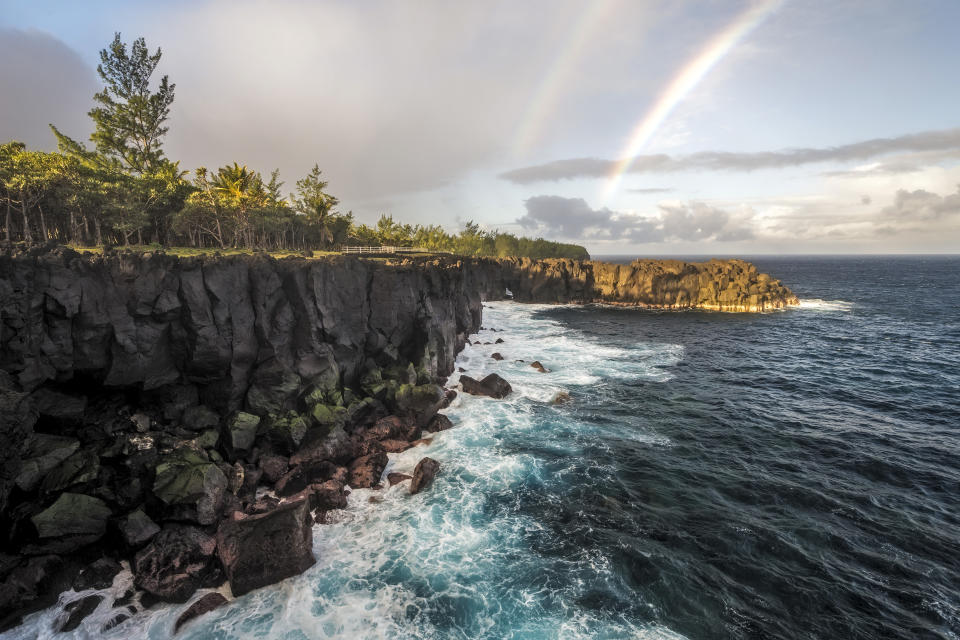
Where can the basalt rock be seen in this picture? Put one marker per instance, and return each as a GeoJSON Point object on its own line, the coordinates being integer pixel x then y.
{"type": "Point", "coordinates": [178, 561]}
{"type": "Point", "coordinates": [493, 386]}
{"type": "Point", "coordinates": [439, 422]}
{"type": "Point", "coordinates": [539, 367]}
{"type": "Point", "coordinates": [192, 485]}
{"type": "Point", "coordinates": [260, 550]}
{"type": "Point", "coordinates": [365, 472]}
{"type": "Point", "coordinates": [423, 475]}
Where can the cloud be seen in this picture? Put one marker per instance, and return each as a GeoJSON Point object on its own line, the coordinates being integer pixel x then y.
{"type": "Point", "coordinates": [922, 205]}
{"type": "Point", "coordinates": [652, 190]}
{"type": "Point", "coordinates": [573, 218]}
{"type": "Point", "coordinates": [43, 81]}
{"type": "Point", "coordinates": [945, 141]}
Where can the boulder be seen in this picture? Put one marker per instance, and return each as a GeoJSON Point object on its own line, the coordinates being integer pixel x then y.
{"type": "Point", "coordinates": [498, 341]}
{"type": "Point", "coordinates": [561, 397]}
{"type": "Point", "coordinates": [178, 561]}
{"type": "Point", "coordinates": [423, 475]}
{"type": "Point", "coordinates": [492, 386]}
{"type": "Point", "coordinates": [420, 402]}
{"type": "Point", "coordinates": [439, 422]}
{"type": "Point", "coordinates": [365, 472]}
{"type": "Point", "coordinates": [75, 612]}
{"type": "Point", "coordinates": [200, 418]}
{"type": "Point", "coordinates": [98, 575]}
{"type": "Point", "coordinates": [205, 604]}
{"type": "Point", "coordinates": [83, 466]}
{"type": "Point", "coordinates": [137, 528]}
{"type": "Point", "coordinates": [397, 478]}
{"type": "Point", "coordinates": [43, 453]}
{"type": "Point", "coordinates": [260, 550]}
{"type": "Point", "coordinates": [388, 428]}
{"type": "Point", "coordinates": [286, 431]}
{"type": "Point", "coordinates": [302, 476]}
{"type": "Point", "coordinates": [539, 367]}
{"type": "Point", "coordinates": [241, 431]}
{"type": "Point", "coordinates": [73, 514]}
{"type": "Point", "coordinates": [395, 446]}
{"type": "Point", "coordinates": [449, 396]}
{"type": "Point", "coordinates": [273, 467]}
{"type": "Point", "coordinates": [186, 478]}
{"type": "Point", "coordinates": [496, 356]}
{"type": "Point", "coordinates": [63, 407]}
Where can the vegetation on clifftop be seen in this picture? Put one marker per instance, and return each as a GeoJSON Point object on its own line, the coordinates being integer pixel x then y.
{"type": "Point", "coordinates": [126, 191]}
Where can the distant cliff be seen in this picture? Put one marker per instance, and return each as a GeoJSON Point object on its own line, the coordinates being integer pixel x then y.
{"type": "Point", "coordinates": [719, 285]}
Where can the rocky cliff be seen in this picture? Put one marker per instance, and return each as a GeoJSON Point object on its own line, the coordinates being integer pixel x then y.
{"type": "Point", "coordinates": [146, 401]}
{"type": "Point", "coordinates": [719, 285]}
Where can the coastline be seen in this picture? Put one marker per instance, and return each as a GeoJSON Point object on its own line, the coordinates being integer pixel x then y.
{"type": "Point", "coordinates": [115, 359]}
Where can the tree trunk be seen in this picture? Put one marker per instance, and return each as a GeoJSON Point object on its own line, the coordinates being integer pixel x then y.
{"type": "Point", "coordinates": [139, 237]}
{"type": "Point", "coordinates": [9, 220]}
{"type": "Point", "coordinates": [27, 236]}
{"type": "Point", "coordinates": [43, 224]}
{"type": "Point", "coordinates": [96, 224]}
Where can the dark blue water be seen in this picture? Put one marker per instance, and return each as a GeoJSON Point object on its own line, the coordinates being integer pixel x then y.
{"type": "Point", "coordinates": [786, 475]}
{"type": "Point", "coordinates": [812, 488]}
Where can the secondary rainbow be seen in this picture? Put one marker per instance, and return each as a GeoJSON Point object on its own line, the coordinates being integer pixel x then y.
{"type": "Point", "coordinates": [548, 90]}
{"type": "Point", "coordinates": [685, 81]}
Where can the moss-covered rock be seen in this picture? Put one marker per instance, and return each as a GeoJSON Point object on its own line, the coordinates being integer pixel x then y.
{"type": "Point", "coordinates": [286, 431]}
{"type": "Point", "coordinates": [241, 430]}
{"type": "Point", "coordinates": [420, 402]}
{"type": "Point", "coordinates": [73, 514]}
{"type": "Point", "coordinates": [186, 477]}
{"type": "Point", "coordinates": [208, 439]}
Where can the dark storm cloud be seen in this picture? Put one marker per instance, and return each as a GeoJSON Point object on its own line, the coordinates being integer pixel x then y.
{"type": "Point", "coordinates": [42, 81]}
{"type": "Point", "coordinates": [945, 140]}
{"type": "Point", "coordinates": [573, 218]}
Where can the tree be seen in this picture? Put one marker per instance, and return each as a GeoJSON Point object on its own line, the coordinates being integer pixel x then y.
{"type": "Point", "coordinates": [7, 172]}
{"type": "Point", "coordinates": [312, 201]}
{"type": "Point", "coordinates": [129, 117]}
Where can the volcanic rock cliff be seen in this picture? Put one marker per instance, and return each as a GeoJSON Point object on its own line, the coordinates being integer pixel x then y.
{"type": "Point", "coordinates": [145, 398]}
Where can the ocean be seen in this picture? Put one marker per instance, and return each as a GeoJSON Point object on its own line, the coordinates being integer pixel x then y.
{"type": "Point", "coordinates": [793, 474]}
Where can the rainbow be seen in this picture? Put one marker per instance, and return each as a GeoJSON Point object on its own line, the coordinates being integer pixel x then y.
{"type": "Point", "coordinates": [685, 81]}
{"type": "Point", "coordinates": [553, 81]}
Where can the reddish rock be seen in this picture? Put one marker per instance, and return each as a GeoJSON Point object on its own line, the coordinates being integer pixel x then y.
{"type": "Point", "coordinates": [365, 472]}
{"type": "Point", "coordinates": [424, 474]}
{"type": "Point", "coordinates": [421, 442]}
{"type": "Point", "coordinates": [206, 604]}
{"type": "Point", "coordinates": [260, 550]}
{"type": "Point", "coordinates": [397, 478]}
{"type": "Point", "coordinates": [273, 467]}
{"type": "Point", "coordinates": [300, 477]}
{"type": "Point", "coordinates": [395, 446]}
{"type": "Point", "coordinates": [539, 367]}
{"type": "Point", "coordinates": [439, 422]}
{"type": "Point", "coordinates": [178, 561]}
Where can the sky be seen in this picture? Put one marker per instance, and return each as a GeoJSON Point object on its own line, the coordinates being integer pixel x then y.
{"type": "Point", "coordinates": [647, 127]}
